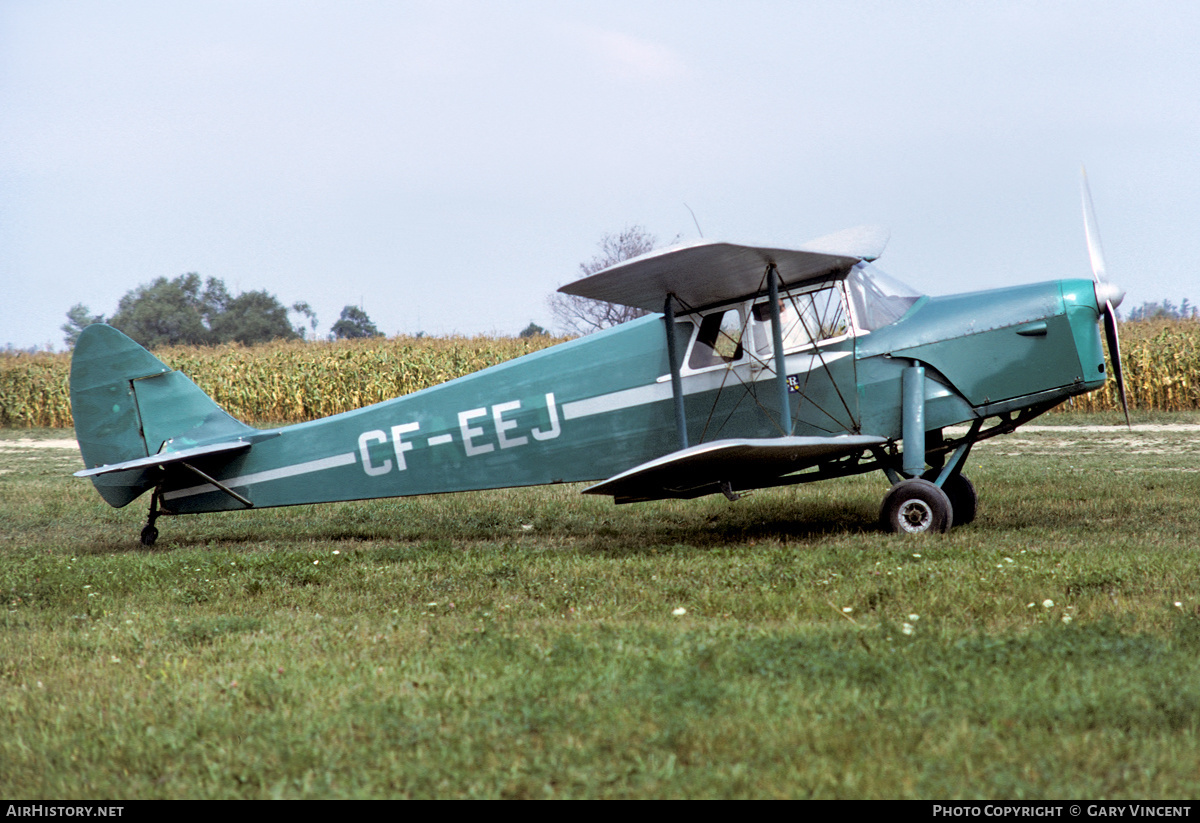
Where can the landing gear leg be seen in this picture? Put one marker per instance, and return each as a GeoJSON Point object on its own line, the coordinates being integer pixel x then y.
{"type": "Point", "coordinates": [954, 483]}
{"type": "Point", "coordinates": [149, 532]}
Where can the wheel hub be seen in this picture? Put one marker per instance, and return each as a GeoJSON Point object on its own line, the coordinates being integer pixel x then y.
{"type": "Point", "coordinates": [915, 516]}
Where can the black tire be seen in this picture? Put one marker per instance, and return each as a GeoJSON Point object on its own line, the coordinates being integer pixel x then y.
{"type": "Point", "coordinates": [961, 492]}
{"type": "Point", "coordinates": [149, 535]}
{"type": "Point", "coordinates": [916, 507]}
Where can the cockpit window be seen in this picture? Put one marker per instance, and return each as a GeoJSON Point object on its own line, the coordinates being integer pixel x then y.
{"type": "Point", "coordinates": [806, 318]}
{"type": "Point", "coordinates": [809, 317]}
{"type": "Point", "coordinates": [718, 340]}
{"type": "Point", "coordinates": [879, 299]}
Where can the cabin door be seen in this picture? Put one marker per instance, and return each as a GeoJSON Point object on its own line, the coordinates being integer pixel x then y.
{"type": "Point", "coordinates": [729, 369]}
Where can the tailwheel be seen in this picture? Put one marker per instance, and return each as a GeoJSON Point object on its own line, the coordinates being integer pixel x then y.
{"type": "Point", "coordinates": [150, 531]}
{"type": "Point", "coordinates": [961, 491]}
{"type": "Point", "coordinates": [916, 507]}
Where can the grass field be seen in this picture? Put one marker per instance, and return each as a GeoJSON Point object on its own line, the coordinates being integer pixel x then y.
{"type": "Point", "coordinates": [542, 644]}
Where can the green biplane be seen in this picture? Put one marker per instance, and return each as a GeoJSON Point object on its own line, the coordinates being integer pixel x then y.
{"type": "Point", "coordinates": [759, 367]}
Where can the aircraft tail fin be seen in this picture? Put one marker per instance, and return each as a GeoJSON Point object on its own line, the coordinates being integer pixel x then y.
{"type": "Point", "coordinates": [128, 405]}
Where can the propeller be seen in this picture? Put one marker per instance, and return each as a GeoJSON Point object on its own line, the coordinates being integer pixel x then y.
{"type": "Point", "coordinates": [1108, 294]}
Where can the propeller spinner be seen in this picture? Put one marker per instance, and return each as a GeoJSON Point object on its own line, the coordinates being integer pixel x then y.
{"type": "Point", "coordinates": [1108, 294]}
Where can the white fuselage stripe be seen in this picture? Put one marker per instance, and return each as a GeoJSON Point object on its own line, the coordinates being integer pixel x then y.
{"type": "Point", "coordinates": [311, 466]}
{"type": "Point", "coordinates": [627, 399]}
{"type": "Point", "coordinates": [692, 384]}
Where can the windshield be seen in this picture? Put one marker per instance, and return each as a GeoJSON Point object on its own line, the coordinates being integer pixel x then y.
{"type": "Point", "coordinates": [879, 299]}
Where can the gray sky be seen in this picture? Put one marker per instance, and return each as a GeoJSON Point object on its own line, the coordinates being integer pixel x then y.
{"type": "Point", "coordinates": [448, 164]}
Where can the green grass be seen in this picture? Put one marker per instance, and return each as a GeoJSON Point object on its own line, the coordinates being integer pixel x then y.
{"type": "Point", "coordinates": [525, 643]}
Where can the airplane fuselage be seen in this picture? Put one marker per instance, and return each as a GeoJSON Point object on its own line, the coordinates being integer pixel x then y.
{"type": "Point", "coordinates": [593, 407]}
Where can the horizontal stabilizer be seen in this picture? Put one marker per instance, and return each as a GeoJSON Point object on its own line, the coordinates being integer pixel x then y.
{"type": "Point", "coordinates": [166, 458]}
{"type": "Point", "coordinates": [727, 465]}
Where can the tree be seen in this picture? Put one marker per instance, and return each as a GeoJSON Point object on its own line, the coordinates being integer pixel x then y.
{"type": "Point", "coordinates": [79, 317]}
{"type": "Point", "coordinates": [533, 330]}
{"type": "Point", "coordinates": [187, 311]}
{"type": "Point", "coordinates": [354, 323]}
{"type": "Point", "coordinates": [581, 315]}
{"type": "Point", "coordinates": [303, 308]}
{"type": "Point", "coordinates": [214, 301]}
{"type": "Point", "coordinates": [166, 312]}
{"type": "Point", "coordinates": [253, 317]}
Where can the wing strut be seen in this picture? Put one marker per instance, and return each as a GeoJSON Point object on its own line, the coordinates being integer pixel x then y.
{"type": "Point", "coordinates": [676, 379]}
{"type": "Point", "coordinates": [219, 485]}
{"type": "Point", "coordinates": [785, 407]}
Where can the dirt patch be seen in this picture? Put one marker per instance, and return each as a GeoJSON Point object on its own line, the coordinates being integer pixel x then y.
{"type": "Point", "coordinates": [1176, 428]}
{"type": "Point", "coordinates": [26, 444]}
{"type": "Point", "coordinates": [1149, 438]}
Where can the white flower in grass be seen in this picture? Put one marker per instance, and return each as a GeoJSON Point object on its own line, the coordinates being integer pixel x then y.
{"type": "Point", "coordinates": [913, 618]}
{"type": "Point", "coordinates": [907, 628]}
{"type": "Point", "coordinates": [1048, 603]}
{"type": "Point", "coordinates": [847, 610]}
{"type": "Point", "coordinates": [1066, 618]}
{"type": "Point", "coordinates": [679, 612]}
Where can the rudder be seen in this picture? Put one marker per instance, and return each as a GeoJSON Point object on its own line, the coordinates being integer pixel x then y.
{"type": "Point", "coordinates": [128, 404]}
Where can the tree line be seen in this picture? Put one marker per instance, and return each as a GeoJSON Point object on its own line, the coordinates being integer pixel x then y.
{"type": "Point", "coordinates": [189, 311]}
{"type": "Point", "coordinates": [1166, 310]}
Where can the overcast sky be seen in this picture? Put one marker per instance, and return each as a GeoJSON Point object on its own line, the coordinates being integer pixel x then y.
{"type": "Point", "coordinates": [448, 164]}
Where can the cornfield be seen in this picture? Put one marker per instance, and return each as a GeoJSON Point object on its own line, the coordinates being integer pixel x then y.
{"type": "Point", "coordinates": [294, 382]}
{"type": "Point", "coordinates": [1161, 359]}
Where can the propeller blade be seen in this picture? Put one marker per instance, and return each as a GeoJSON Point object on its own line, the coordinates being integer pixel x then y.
{"type": "Point", "coordinates": [1108, 294]}
{"type": "Point", "coordinates": [1090, 229]}
{"type": "Point", "coordinates": [1114, 352]}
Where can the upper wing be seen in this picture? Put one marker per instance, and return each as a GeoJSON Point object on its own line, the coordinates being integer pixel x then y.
{"type": "Point", "coordinates": [742, 464]}
{"type": "Point", "coordinates": [707, 273]}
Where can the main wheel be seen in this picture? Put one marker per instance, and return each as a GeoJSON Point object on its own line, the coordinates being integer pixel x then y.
{"type": "Point", "coordinates": [961, 492]}
{"type": "Point", "coordinates": [149, 535]}
{"type": "Point", "coordinates": [916, 507]}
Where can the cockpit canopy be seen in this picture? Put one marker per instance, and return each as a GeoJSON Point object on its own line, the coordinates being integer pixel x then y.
{"type": "Point", "coordinates": [811, 315]}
